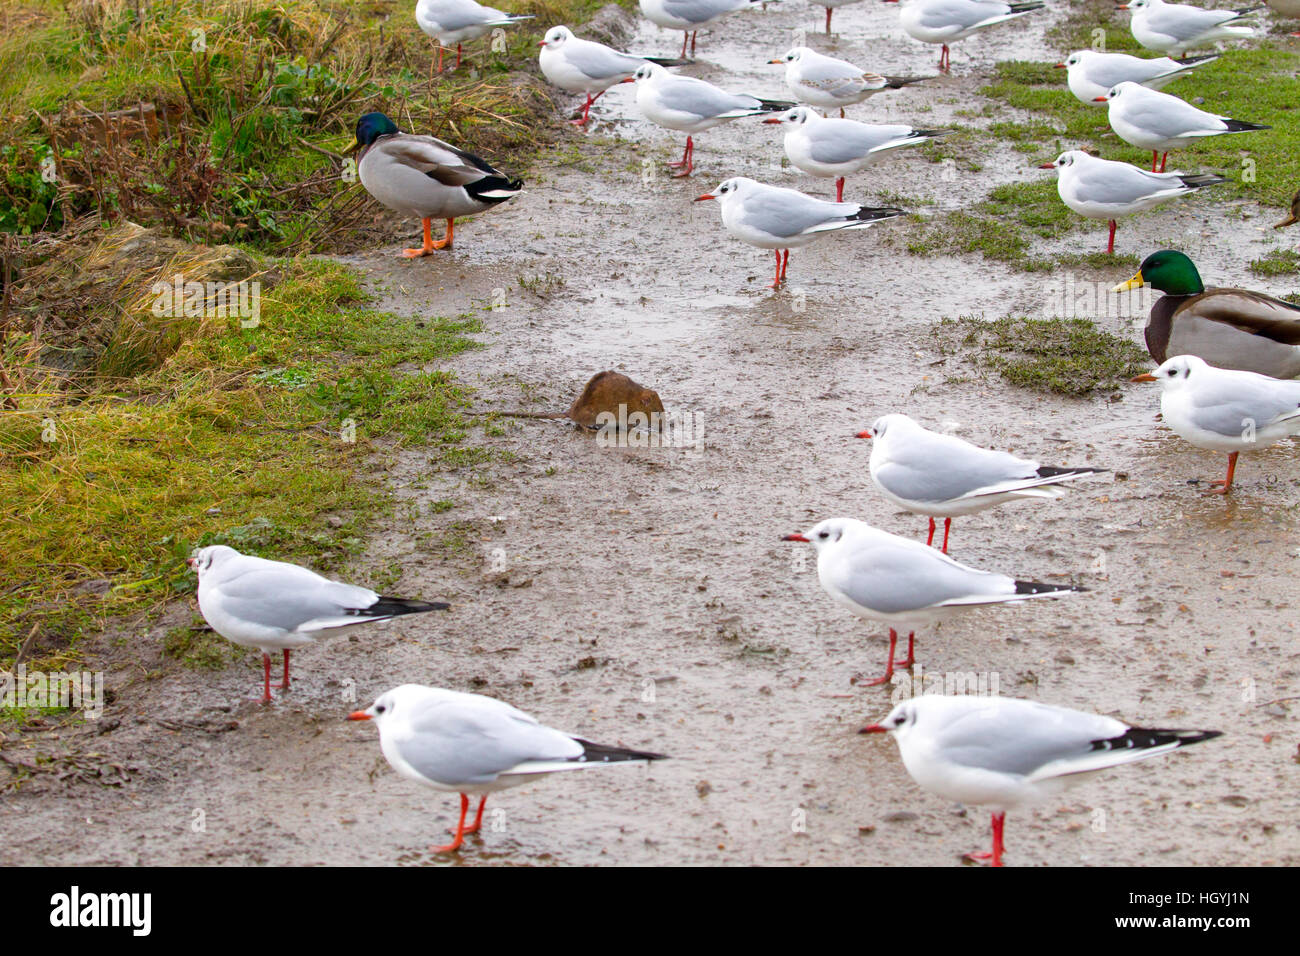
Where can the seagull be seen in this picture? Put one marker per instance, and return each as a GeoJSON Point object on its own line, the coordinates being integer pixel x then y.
{"type": "Point", "coordinates": [830, 6]}
{"type": "Point", "coordinates": [454, 21]}
{"type": "Point", "coordinates": [1175, 28]}
{"type": "Point", "coordinates": [692, 106]}
{"type": "Point", "coordinates": [838, 147]}
{"type": "Point", "coordinates": [425, 177]}
{"type": "Point", "coordinates": [1224, 409]}
{"type": "Point", "coordinates": [1091, 74]}
{"type": "Point", "coordinates": [882, 577]}
{"type": "Point", "coordinates": [772, 217]}
{"type": "Point", "coordinates": [1160, 122]}
{"type": "Point", "coordinates": [690, 16]}
{"type": "Point", "coordinates": [468, 743]}
{"type": "Point", "coordinates": [942, 476]}
{"type": "Point", "coordinates": [273, 605]}
{"type": "Point", "coordinates": [584, 66]}
{"type": "Point", "coordinates": [1005, 752]}
{"type": "Point", "coordinates": [1105, 189]}
{"type": "Point", "coordinates": [947, 21]}
{"type": "Point", "coordinates": [826, 82]}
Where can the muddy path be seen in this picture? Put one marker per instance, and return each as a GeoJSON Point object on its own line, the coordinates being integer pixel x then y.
{"type": "Point", "coordinates": [641, 595]}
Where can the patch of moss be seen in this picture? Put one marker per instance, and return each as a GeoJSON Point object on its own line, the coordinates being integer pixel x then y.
{"type": "Point", "coordinates": [1060, 356]}
{"type": "Point", "coordinates": [1279, 262]}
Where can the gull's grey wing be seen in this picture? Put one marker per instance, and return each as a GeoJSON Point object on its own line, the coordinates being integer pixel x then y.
{"type": "Point", "coordinates": [1019, 736]}
{"type": "Point", "coordinates": [1185, 21]}
{"type": "Point", "coordinates": [689, 95]}
{"type": "Point", "coordinates": [932, 467]}
{"type": "Point", "coordinates": [1121, 183]}
{"type": "Point", "coordinates": [961, 13]}
{"type": "Point", "coordinates": [1231, 407]}
{"type": "Point", "coordinates": [600, 62]}
{"type": "Point", "coordinates": [697, 11]}
{"type": "Point", "coordinates": [843, 144]}
{"type": "Point", "coordinates": [1168, 116]}
{"type": "Point", "coordinates": [472, 739]}
{"type": "Point", "coordinates": [784, 212]}
{"type": "Point", "coordinates": [275, 594]}
{"type": "Point", "coordinates": [893, 579]}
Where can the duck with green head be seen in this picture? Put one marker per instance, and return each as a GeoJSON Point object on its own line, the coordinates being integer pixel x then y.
{"type": "Point", "coordinates": [1229, 328]}
{"type": "Point", "coordinates": [425, 177]}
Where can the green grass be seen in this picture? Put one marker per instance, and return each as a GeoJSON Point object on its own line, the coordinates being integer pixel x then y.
{"type": "Point", "coordinates": [242, 435]}
{"type": "Point", "coordinates": [1059, 356]}
{"type": "Point", "coordinates": [1279, 262]}
{"type": "Point", "coordinates": [1258, 84]}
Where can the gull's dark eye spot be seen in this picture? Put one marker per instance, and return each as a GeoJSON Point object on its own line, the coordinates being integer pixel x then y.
{"type": "Point", "coordinates": [824, 534]}
{"type": "Point", "coordinates": [380, 708]}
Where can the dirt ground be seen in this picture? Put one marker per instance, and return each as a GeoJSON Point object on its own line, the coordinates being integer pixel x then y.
{"type": "Point", "coordinates": [642, 595]}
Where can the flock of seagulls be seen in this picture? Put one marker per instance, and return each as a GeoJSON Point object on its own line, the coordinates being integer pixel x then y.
{"type": "Point", "coordinates": [1226, 359]}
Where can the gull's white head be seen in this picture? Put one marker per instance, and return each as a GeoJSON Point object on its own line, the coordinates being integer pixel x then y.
{"type": "Point", "coordinates": [648, 71]}
{"type": "Point", "coordinates": [390, 704]}
{"type": "Point", "coordinates": [1177, 372]}
{"type": "Point", "coordinates": [555, 37]}
{"type": "Point", "coordinates": [794, 56]}
{"type": "Point", "coordinates": [793, 117]}
{"type": "Point", "coordinates": [1067, 159]}
{"type": "Point", "coordinates": [884, 423]}
{"type": "Point", "coordinates": [730, 189]}
{"type": "Point", "coordinates": [1137, 5]}
{"type": "Point", "coordinates": [826, 533]}
{"type": "Point", "coordinates": [1115, 92]}
{"type": "Point", "coordinates": [1074, 59]}
{"type": "Point", "coordinates": [213, 556]}
{"type": "Point", "coordinates": [901, 720]}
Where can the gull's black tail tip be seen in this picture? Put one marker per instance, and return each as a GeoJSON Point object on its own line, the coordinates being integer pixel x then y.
{"type": "Point", "coordinates": [1145, 738]}
{"type": "Point", "coordinates": [1022, 7]}
{"type": "Point", "coordinates": [1048, 471]}
{"type": "Point", "coordinates": [1241, 126]}
{"type": "Point", "coordinates": [1038, 587]}
{"type": "Point", "coordinates": [602, 753]}
{"type": "Point", "coordinates": [393, 606]}
{"type": "Point", "coordinates": [775, 106]}
{"type": "Point", "coordinates": [874, 213]}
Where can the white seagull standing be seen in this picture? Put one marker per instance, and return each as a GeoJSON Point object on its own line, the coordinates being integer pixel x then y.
{"type": "Point", "coordinates": [942, 476]}
{"type": "Point", "coordinates": [838, 147]}
{"type": "Point", "coordinates": [276, 606]}
{"type": "Point", "coordinates": [1160, 122]}
{"type": "Point", "coordinates": [1224, 409]}
{"type": "Point", "coordinates": [831, 6]}
{"type": "Point", "coordinates": [772, 217]}
{"type": "Point", "coordinates": [947, 21]}
{"type": "Point", "coordinates": [1091, 74]}
{"type": "Point", "coordinates": [585, 66]}
{"type": "Point", "coordinates": [1175, 28]}
{"type": "Point", "coordinates": [690, 105]}
{"type": "Point", "coordinates": [467, 743]}
{"type": "Point", "coordinates": [882, 577]}
{"type": "Point", "coordinates": [690, 16]}
{"type": "Point", "coordinates": [828, 83]}
{"type": "Point", "coordinates": [455, 21]}
{"type": "Point", "coordinates": [1105, 189]}
{"type": "Point", "coordinates": [1005, 753]}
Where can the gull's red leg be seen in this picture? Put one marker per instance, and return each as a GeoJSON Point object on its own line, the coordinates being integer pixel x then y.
{"type": "Point", "coordinates": [686, 35]}
{"type": "Point", "coordinates": [889, 668]}
{"type": "Point", "coordinates": [999, 819]}
{"type": "Point", "coordinates": [687, 163]}
{"type": "Point", "coordinates": [947, 526]}
{"type": "Point", "coordinates": [266, 678]}
{"type": "Point", "coordinates": [839, 189]}
{"type": "Point", "coordinates": [459, 832]}
{"type": "Point", "coordinates": [785, 261]}
{"type": "Point", "coordinates": [1110, 246]}
{"type": "Point", "coordinates": [457, 56]}
{"type": "Point", "coordinates": [1222, 487]}
{"type": "Point", "coordinates": [930, 540]}
{"type": "Point", "coordinates": [284, 685]}
{"type": "Point", "coordinates": [439, 42]}
{"type": "Point", "coordinates": [911, 651]}
{"type": "Point", "coordinates": [693, 34]}
{"type": "Point", "coordinates": [1162, 161]}
{"type": "Point", "coordinates": [828, 21]}
{"type": "Point", "coordinates": [1155, 154]}
{"type": "Point", "coordinates": [776, 279]}
{"type": "Point", "coordinates": [478, 817]}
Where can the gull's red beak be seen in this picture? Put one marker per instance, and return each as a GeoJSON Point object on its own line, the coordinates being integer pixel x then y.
{"type": "Point", "coordinates": [705, 196]}
{"type": "Point", "coordinates": [630, 79]}
{"type": "Point", "coordinates": [1047, 165]}
{"type": "Point", "coordinates": [1144, 377]}
{"type": "Point", "coordinates": [866, 433]}
{"type": "Point", "coordinates": [796, 537]}
{"type": "Point", "coordinates": [358, 715]}
{"type": "Point", "coordinates": [1060, 66]}
{"type": "Point", "coordinates": [874, 729]}
{"type": "Point", "coordinates": [772, 121]}
{"type": "Point", "coordinates": [776, 61]}
{"type": "Point", "coordinates": [1100, 99]}
{"type": "Point", "coordinates": [190, 562]}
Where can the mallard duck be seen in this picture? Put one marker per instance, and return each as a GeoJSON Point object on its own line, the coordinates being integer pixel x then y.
{"type": "Point", "coordinates": [1228, 328]}
{"type": "Point", "coordinates": [425, 177]}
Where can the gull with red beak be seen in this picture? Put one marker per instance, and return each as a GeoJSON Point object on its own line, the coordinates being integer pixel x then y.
{"type": "Point", "coordinates": [1223, 409]}
{"type": "Point", "coordinates": [1105, 189]}
{"type": "Point", "coordinates": [772, 217]}
{"type": "Point", "coordinates": [1160, 122]}
{"type": "Point", "coordinates": [906, 584]}
{"type": "Point", "coordinates": [455, 21]}
{"type": "Point", "coordinates": [941, 476]}
{"type": "Point", "coordinates": [471, 744]}
{"type": "Point", "coordinates": [947, 21]}
{"type": "Point", "coordinates": [690, 105]}
{"type": "Point", "coordinates": [1091, 73]}
{"type": "Point", "coordinates": [584, 66]}
{"type": "Point", "coordinates": [1007, 753]}
{"type": "Point", "coordinates": [1175, 28]}
{"type": "Point", "coordinates": [828, 83]}
{"type": "Point", "coordinates": [277, 606]}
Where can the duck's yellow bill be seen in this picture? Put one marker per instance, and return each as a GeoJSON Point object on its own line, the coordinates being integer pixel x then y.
{"type": "Point", "coordinates": [1133, 283]}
